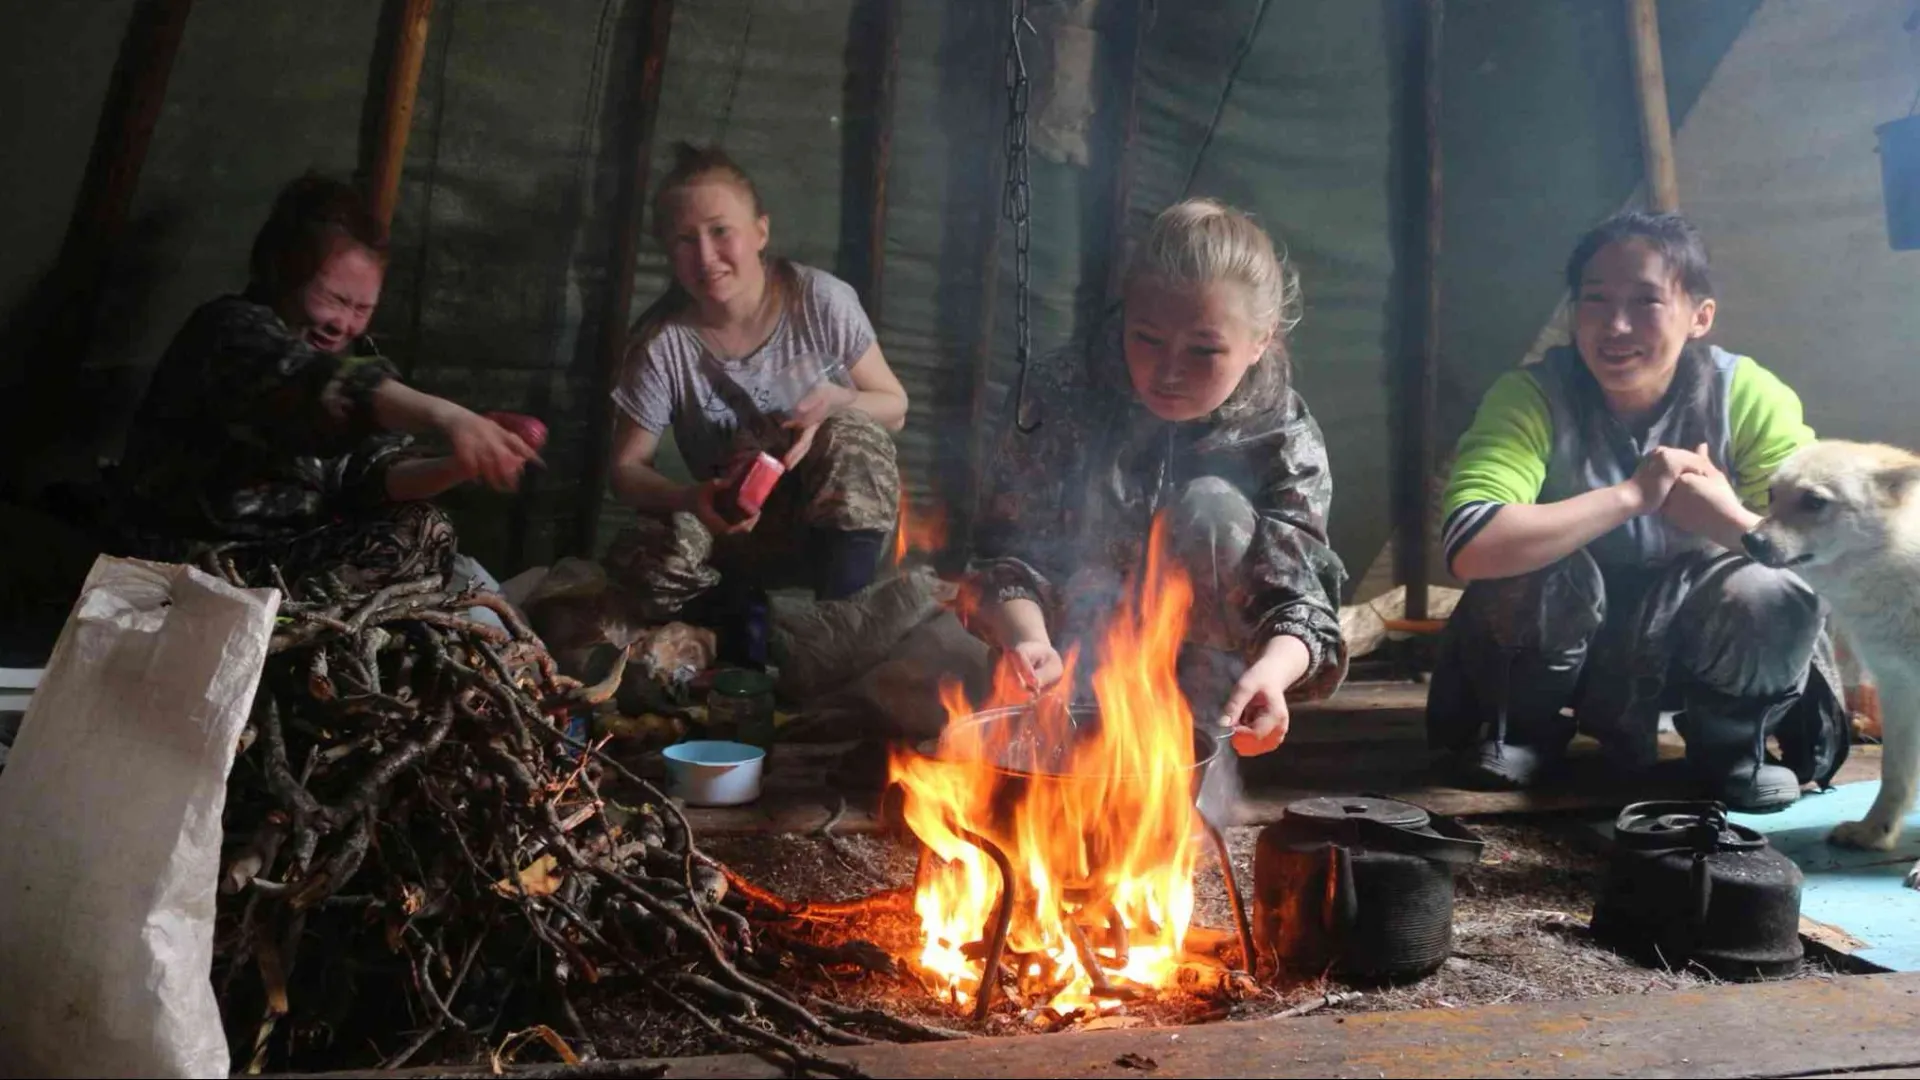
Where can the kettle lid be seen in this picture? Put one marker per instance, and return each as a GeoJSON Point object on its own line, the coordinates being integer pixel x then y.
{"type": "Point", "coordinates": [1369, 821]}
{"type": "Point", "coordinates": [1677, 825]}
{"type": "Point", "coordinates": [1335, 812]}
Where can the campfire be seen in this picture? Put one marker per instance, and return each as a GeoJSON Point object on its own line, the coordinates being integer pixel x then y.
{"type": "Point", "coordinates": [923, 531]}
{"type": "Point", "coordinates": [1061, 840]}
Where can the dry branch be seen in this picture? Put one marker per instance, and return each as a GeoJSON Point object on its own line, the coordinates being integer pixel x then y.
{"type": "Point", "coordinates": [419, 844]}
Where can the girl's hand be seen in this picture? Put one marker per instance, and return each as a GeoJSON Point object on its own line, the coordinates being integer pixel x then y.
{"type": "Point", "coordinates": [1705, 504]}
{"type": "Point", "coordinates": [486, 451]}
{"type": "Point", "coordinates": [802, 442]}
{"type": "Point", "coordinates": [1256, 713]}
{"type": "Point", "coordinates": [1041, 661]}
{"type": "Point", "coordinates": [1659, 471]}
{"type": "Point", "coordinates": [821, 402]}
{"type": "Point", "coordinates": [805, 420]}
{"type": "Point", "coordinates": [704, 504]}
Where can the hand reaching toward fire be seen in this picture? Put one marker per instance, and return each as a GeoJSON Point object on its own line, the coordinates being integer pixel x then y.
{"type": "Point", "coordinates": [1041, 662]}
{"type": "Point", "coordinates": [1256, 713]}
{"type": "Point", "coordinates": [1021, 627]}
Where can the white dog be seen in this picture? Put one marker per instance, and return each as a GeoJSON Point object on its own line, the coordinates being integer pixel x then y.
{"type": "Point", "coordinates": [1846, 517]}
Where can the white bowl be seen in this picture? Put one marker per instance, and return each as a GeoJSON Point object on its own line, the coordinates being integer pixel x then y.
{"type": "Point", "coordinates": [710, 772]}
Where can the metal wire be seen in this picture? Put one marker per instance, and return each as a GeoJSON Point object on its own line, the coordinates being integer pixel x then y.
{"type": "Point", "coordinates": [1226, 92]}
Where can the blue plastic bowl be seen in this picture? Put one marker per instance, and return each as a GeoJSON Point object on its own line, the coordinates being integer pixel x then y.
{"type": "Point", "coordinates": [710, 772]}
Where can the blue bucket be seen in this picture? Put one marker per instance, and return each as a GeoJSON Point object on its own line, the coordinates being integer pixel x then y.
{"type": "Point", "coordinates": [1900, 178]}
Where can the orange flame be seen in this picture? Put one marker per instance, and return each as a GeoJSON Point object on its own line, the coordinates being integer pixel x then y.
{"type": "Point", "coordinates": [1101, 840]}
{"type": "Point", "coordinates": [918, 532]}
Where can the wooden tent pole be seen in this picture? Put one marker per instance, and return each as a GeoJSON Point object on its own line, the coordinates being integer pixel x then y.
{"type": "Point", "coordinates": [1413, 514]}
{"type": "Point", "coordinates": [980, 426]}
{"type": "Point", "coordinates": [881, 156]}
{"type": "Point", "coordinates": [1650, 90]}
{"type": "Point", "coordinates": [629, 218]}
{"type": "Point", "coordinates": [981, 429]}
{"type": "Point", "coordinates": [396, 119]}
{"type": "Point", "coordinates": [120, 144]}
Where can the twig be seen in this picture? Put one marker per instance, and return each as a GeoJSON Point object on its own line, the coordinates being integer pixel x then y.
{"type": "Point", "coordinates": [825, 831]}
{"type": "Point", "coordinates": [586, 1070]}
{"type": "Point", "coordinates": [433, 784]}
{"type": "Point", "coordinates": [881, 1021]}
{"type": "Point", "coordinates": [794, 1056]}
{"type": "Point", "coordinates": [1326, 1002]}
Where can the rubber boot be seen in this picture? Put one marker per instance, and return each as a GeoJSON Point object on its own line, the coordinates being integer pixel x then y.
{"type": "Point", "coordinates": [1511, 661]}
{"type": "Point", "coordinates": [1727, 750]}
{"type": "Point", "coordinates": [847, 561]}
{"type": "Point", "coordinates": [1623, 713]}
{"type": "Point", "coordinates": [1529, 733]}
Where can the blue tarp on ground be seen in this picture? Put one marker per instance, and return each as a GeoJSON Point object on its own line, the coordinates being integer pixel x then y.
{"type": "Point", "coordinates": [1861, 892]}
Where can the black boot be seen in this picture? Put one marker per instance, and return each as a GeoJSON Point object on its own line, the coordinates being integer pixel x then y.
{"type": "Point", "coordinates": [1744, 639]}
{"type": "Point", "coordinates": [1529, 732]}
{"type": "Point", "coordinates": [846, 562]}
{"type": "Point", "coordinates": [1727, 749]}
{"type": "Point", "coordinates": [1510, 661]}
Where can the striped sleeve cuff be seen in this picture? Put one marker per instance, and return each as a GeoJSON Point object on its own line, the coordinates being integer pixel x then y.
{"type": "Point", "coordinates": [1464, 524]}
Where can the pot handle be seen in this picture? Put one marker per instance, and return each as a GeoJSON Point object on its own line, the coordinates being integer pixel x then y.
{"type": "Point", "coordinates": [1457, 845]}
{"type": "Point", "coordinates": [1340, 908]}
{"type": "Point", "coordinates": [1452, 842]}
{"type": "Point", "coordinates": [1702, 890]}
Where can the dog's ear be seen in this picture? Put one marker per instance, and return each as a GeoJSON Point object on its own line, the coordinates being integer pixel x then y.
{"type": "Point", "coordinates": [1895, 483]}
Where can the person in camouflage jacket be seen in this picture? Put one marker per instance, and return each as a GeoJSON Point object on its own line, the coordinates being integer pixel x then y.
{"type": "Point", "coordinates": [1230, 458]}
{"type": "Point", "coordinates": [273, 432]}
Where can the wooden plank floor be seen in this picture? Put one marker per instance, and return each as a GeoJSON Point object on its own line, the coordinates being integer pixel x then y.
{"type": "Point", "coordinates": [1842, 1026]}
{"type": "Point", "coordinates": [1370, 737]}
{"type": "Point", "coordinates": [1808, 1027]}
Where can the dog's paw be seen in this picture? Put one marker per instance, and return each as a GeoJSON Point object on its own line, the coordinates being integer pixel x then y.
{"type": "Point", "coordinates": [1864, 835]}
{"type": "Point", "coordinates": [1913, 876]}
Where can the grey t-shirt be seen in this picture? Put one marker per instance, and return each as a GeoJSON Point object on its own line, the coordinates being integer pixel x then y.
{"type": "Point", "coordinates": [676, 379]}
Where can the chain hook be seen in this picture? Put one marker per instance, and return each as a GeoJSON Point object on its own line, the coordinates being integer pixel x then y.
{"type": "Point", "coordinates": [1017, 205]}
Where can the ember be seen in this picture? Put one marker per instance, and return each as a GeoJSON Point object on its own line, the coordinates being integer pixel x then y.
{"type": "Point", "coordinates": [1089, 812]}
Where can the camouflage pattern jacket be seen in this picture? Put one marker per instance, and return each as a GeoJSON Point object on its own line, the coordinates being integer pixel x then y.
{"type": "Point", "coordinates": [247, 433]}
{"type": "Point", "coordinates": [1081, 492]}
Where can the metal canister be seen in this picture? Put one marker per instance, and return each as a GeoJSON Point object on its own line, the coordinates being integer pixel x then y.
{"type": "Point", "coordinates": [740, 707]}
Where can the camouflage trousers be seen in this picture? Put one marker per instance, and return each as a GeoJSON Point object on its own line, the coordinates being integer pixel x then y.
{"type": "Point", "coordinates": [848, 482]}
{"type": "Point", "coordinates": [1741, 648]}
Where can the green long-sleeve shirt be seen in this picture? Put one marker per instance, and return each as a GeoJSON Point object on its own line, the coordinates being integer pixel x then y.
{"type": "Point", "coordinates": [1543, 434]}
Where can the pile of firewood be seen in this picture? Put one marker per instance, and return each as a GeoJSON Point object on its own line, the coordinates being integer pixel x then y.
{"type": "Point", "coordinates": [421, 864]}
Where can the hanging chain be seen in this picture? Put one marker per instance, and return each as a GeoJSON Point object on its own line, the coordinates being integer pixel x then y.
{"type": "Point", "coordinates": [1017, 204]}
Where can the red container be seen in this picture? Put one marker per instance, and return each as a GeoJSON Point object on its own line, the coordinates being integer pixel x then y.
{"type": "Point", "coordinates": [755, 484]}
{"type": "Point", "coordinates": [530, 429]}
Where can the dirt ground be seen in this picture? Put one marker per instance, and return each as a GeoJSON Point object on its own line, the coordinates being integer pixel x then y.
{"type": "Point", "coordinates": [1519, 935]}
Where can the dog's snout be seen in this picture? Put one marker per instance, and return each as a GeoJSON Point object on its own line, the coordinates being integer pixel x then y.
{"type": "Point", "coordinates": [1760, 548]}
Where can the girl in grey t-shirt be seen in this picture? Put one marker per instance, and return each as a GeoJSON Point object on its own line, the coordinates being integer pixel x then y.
{"type": "Point", "coordinates": [748, 354]}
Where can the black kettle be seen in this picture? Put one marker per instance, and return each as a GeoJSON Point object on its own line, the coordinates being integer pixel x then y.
{"type": "Point", "coordinates": [1359, 887]}
{"type": "Point", "coordinates": [1687, 887]}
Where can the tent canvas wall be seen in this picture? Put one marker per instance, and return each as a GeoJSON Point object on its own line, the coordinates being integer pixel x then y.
{"type": "Point", "coordinates": [502, 234]}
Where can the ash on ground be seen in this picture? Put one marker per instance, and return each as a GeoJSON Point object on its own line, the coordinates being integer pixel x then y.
{"type": "Point", "coordinates": [1520, 934]}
